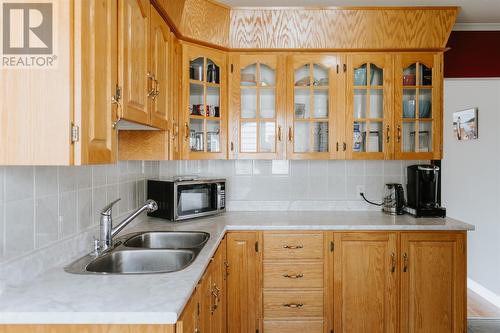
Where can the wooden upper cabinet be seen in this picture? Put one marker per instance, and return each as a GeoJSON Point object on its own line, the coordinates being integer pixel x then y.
{"type": "Point", "coordinates": [99, 60]}
{"type": "Point", "coordinates": [365, 283]}
{"type": "Point", "coordinates": [204, 109]}
{"type": "Point", "coordinates": [369, 106]}
{"type": "Point", "coordinates": [312, 101]}
{"type": "Point", "coordinates": [418, 105]}
{"type": "Point", "coordinates": [257, 98]}
{"type": "Point", "coordinates": [160, 71]}
{"type": "Point", "coordinates": [433, 283]}
{"type": "Point", "coordinates": [244, 282]}
{"type": "Point", "coordinates": [135, 76]}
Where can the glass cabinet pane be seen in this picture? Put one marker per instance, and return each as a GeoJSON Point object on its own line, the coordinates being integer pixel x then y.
{"type": "Point", "coordinates": [301, 137]}
{"type": "Point", "coordinates": [376, 103]}
{"type": "Point", "coordinates": [320, 76]}
{"type": "Point", "coordinates": [376, 75]}
{"type": "Point", "coordinates": [267, 103]}
{"type": "Point", "coordinates": [373, 137]}
{"type": "Point", "coordinates": [360, 104]}
{"type": "Point", "coordinates": [425, 136]}
{"type": "Point", "coordinates": [359, 137]}
{"type": "Point", "coordinates": [248, 103]}
{"type": "Point", "coordinates": [425, 75]}
{"type": "Point", "coordinates": [267, 136]}
{"type": "Point", "coordinates": [196, 69]}
{"type": "Point", "coordinates": [302, 103]}
{"type": "Point", "coordinates": [197, 136]}
{"type": "Point", "coordinates": [213, 136]}
{"type": "Point", "coordinates": [360, 76]}
{"type": "Point", "coordinates": [303, 76]}
{"type": "Point", "coordinates": [213, 102]}
{"type": "Point", "coordinates": [320, 104]}
{"type": "Point", "coordinates": [267, 76]}
{"type": "Point", "coordinates": [425, 103]}
{"type": "Point", "coordinates": [248, 76]}
{"type": "Point", "coordinates": [213, 72]}
{"type": "Point", "coordinates": [196, 105]}
{"type": "Point", "coordinates": [408, 136]}
{"type": "Point", "coordinates": [320, 136]}
{"type": "Point", "coordinates": [410, 75]}
{"type": "Point", "coordinates": [409, 103]}
{"type": "Point", "coordinates": [248, 137]}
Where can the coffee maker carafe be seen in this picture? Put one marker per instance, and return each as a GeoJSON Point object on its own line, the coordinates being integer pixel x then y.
{"type": "Point", "coordinates": [394, 199]}
{"type": "Point", "coordinates": [423, 198]}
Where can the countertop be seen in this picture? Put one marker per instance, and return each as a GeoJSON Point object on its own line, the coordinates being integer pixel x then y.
{"type": "Point", "coordinates": [57, 297]}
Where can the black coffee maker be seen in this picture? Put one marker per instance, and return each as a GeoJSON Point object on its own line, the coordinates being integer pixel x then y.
{"type": "Point", "coordinates": [422, 188]}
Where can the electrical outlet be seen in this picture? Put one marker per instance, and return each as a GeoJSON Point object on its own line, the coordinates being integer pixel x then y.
{"type": "Point", "coordinates": [360, 189]}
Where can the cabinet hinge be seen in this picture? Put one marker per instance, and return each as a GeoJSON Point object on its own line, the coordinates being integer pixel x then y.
{"type": "Point", "coordinates": [331, 331]}
{"type": "Point", "coordinates": [256, 246]}
{"type": "Point", "coordinates": [75, 133]}
{"type": "Point", "coordinates": [345, 68]}
{"type": "Point", "coordinates": [332, 246]}
{"type": "Point", "coordinates": [257, 331]}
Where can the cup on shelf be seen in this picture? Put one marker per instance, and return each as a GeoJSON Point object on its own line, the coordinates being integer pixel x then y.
{"type": "Point", "coordinates": [409, 79]}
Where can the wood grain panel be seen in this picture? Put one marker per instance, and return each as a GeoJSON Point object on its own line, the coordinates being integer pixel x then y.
{"type": "Point", "coordinates": [300, 275]}
{"type": "Point", "coordinates": [277, 326]}
{"type": "Point", "coordinates": [87, 328]}
{"type": "Point", "coordinates": [302, 304]}
{"type": "Point", "coordinates": [174, 8]}
{"type": "Point", "coordinates": [357, 28]}
{"type": "Point", "coordinates": [143, 145]}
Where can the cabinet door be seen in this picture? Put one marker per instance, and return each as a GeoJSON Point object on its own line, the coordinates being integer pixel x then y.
{"type": "Point", "coordinates": [433, 278]}
{"type": "Point", "coordinates": [204, 108]}
{"type": "Point", "coordinates": [365, 282]}
{"type": "Point", "coordinates": [99, 55]}
{"type": "Point", "coordinates": [218, 321]}
{"type": "Point", "coordinates": [244, 281]}
{"type": "Point", "coordinates": [206, 300]}
{"type": "Point", "coordinates": [175, 148]}
{"type": "Point", "coordinates": [311, 106]}
{"type": "Point", "coordinates": [133, 40]}
{"type": "Point", "coordinates": [189, 321]}
{"type": "Point", "coordinates": [418, 102]}
{"type": "Point", "coordinates": [160, 69]}
{"type": "Point", "coordinates": [369, 124]}
{"type": "Point", "coordinates": [257, 97]}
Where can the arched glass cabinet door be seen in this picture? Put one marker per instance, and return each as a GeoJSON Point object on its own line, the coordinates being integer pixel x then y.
{"type": "Point", "coordinates": [256, 83]}
{"type": "Point", "coordinates": [369, 106]}
{"type": "Point", "coordinates": [205, 122]}
{"type": "Point", "coordinates": [311, 107]}
{"type": "Point", "coordinates": [418, 105]}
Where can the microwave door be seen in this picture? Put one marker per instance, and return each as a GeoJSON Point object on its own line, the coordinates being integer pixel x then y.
{"type": "Point", "coordinates": [195, 199]}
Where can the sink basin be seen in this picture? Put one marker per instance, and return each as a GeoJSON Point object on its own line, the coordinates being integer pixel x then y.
{"type": "Point", "coordinates": [141, 262]}
{"type": "Point", "coordinates": [168, 240]}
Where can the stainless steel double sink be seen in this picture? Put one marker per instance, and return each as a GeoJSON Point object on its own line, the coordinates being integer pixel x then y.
{"type": "Point", "coordinates": [144, 253]}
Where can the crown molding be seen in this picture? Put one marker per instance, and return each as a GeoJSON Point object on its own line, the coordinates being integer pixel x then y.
{"type": "Point", "coordinates": [476, 27]}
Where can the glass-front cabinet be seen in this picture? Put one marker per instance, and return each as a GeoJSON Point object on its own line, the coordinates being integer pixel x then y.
{"type": "Point", "coordinates": [369, 107]}
{"type": "Point", "coordinates": [418, 101]}
{"type": "Point", "coordinates": [257, 96]}
{"type": "Point", "coordinates": [204, 104]}
{"type": "Point", "coordinates": [311, 108]}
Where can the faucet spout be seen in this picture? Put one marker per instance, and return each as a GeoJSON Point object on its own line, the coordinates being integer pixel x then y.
{"type": "Point", "coordinates": [149, 206]}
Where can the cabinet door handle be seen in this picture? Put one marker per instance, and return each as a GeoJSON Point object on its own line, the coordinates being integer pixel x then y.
{"type": "Point", "coordinates": [399, 133]}
{"type": "Point", "coordinates": [293, 276]}
{"type": "Point", "coordinates": [337, 146]}
{"type": "Point", "coordinates": [187, 130]}
{"type": "Point", "coordinates": [153, 88]}
{"type": "Point", "coordinates": [393, 262]}
{"type": "Point", "coordinates": [290, 134]}
{"type": "Point", "coordinates": [405, 262]}
{"type": "Point", "coordinates": [388, 137]}
{"type": "Point", "coordinates": [232, 146]}
{"type": "Point", "coordinates": [293, 305]}
{"type": "Point", "coordinates": [293, 247]}
{"type": "Point", "coordinates": [279, 133]}
{"type": "Point", "coordinates": [344, 146]}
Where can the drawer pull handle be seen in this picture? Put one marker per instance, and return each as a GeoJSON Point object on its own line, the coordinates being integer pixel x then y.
{"type": "Point", "coordinates": [293, 276]}
{"type": "Point", "coordinates": [293, 247]}
{"type": "Point", "coordinates": [293, 305]}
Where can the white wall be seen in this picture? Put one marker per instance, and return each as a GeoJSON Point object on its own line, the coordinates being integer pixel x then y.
{"type": "Point", "coordinates": [471, 175]}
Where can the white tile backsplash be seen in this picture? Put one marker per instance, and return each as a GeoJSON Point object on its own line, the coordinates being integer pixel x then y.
{"type": "Point", "coordinates": [296, 185]}
{"type": "Point", "coordinates": [42, 206]}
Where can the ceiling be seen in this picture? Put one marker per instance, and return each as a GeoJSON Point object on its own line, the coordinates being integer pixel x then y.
{"type": "Point", "coordinates": [473, 11]}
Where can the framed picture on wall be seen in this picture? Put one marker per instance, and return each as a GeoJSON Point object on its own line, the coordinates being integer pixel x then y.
{"type": "Point", "coordinates": [465, 124]}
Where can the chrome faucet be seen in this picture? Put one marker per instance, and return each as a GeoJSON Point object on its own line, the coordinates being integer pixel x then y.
{"type": "Point", "coordinates": [108, 232]}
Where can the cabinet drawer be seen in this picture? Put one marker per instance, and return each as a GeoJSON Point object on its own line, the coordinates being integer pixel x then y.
{"type": "Point", "coordinates": [293, 275]}
{"type": "Point", "coordinates": [292, 304]}
{"type": "Point", "coordinates": [275, 326]}
{"type": "Point", "coordinates": [293, 246]}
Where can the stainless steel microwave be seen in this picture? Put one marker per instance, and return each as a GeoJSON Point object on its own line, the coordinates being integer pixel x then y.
{"type": "Point", "coordinates": [185, 198]}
